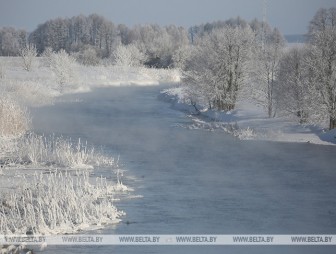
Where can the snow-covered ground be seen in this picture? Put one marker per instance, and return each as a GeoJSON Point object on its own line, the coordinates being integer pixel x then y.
{"type": "Point", "coordinates": [249, 121]}
{"type": "Point", "coordinates": [39, 86]}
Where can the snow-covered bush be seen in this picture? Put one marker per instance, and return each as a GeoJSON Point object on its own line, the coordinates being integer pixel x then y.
{"type": "Point", "coordinates": [28, 55]}
{"type": "Point", "coordinates": [14, 119]}
{"type": "Point", "coordinates": [41, 150]}
{"type": "Point", "coordinates": [58, 203]}
{"type": "Point", "coordinates": [63, 65]}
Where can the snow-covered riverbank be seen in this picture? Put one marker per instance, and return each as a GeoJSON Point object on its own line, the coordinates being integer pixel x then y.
{"type": "Point", "coordinates": [249, 121]}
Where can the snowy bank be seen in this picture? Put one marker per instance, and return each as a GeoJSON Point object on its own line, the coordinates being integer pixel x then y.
{"type": "Point", "coordinates": [65, 198]}
{"type": "Point", "coordinates": [40, 86]}
{"type": "Point", "coordinates": [248, 121]}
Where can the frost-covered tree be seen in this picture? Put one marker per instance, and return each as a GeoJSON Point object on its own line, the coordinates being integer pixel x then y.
{"type": "Point", "coordinates": [181, 55]}
{"type": "Point", "coordinates": [322, 37]}
{"type": "Point", "coordinates": [128, 55]}
{"type": "Point", "coordinates": [158, 43]}
{"type": "Point", "coordinates": [295, 87]}
{"type": "Point", "coordinates": [217, 67]}
{"type": "Point", "coordinates": [28, 54]}
{"type": "Point", "coordinates": [11, 41]}
{"type": "Point", "coordinates": [62, 65]}
{"type": "Point", "coordinates": [74, 34]}
{"type": "Point", "coordinates": [268, 53]}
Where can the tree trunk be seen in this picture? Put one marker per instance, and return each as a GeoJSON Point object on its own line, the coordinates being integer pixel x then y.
{"type": "Point", "coordinates": [332, 124]}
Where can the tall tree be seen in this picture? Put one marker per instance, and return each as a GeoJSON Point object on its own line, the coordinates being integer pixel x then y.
{"type": "Point", "coordinates": [295, 92]}
{"type": "Point", "coordinates": [268, 52]}
{"type": "Point", "coordinates": [322, 37]}
{"type": "Point", "coordinates": [11, 41]}
{"type": "Point", "coordinates": [217, 67]}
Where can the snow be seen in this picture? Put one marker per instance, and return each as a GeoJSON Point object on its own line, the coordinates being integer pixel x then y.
{"type": "Point", "coordinates": [249, 121]}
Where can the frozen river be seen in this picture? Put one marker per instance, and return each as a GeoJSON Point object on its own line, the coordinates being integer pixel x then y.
{"type": "Point", "coordinates": [196, 181]}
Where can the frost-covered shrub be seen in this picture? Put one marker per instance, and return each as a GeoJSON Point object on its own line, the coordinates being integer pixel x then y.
{"type": "Point", "coordinates": [58, 203]}
{"type": "Point", "coordinates": [14, 119]}
{"type": "Point", "coordinates": [41, 150]}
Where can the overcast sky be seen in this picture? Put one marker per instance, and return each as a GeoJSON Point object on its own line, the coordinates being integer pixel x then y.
{"type": "Point", "coordinates": [290, 16]}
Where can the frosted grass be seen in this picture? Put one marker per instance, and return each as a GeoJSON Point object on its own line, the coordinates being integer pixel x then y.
{"type": "Point", "coordinates": [58, 202]}
{"type": "Point", "coordinates": [51, 151]}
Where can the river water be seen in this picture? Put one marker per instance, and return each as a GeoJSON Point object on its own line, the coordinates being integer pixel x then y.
{"type": "Point", "coordinates": [197, 181]}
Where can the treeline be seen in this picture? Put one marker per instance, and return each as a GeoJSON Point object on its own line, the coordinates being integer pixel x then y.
{"type": "Point", "coordinates": [235, 60]}
{"type": "Point", "coordinates": [96, 35]}
{"type": "Point", "coordinates": [11, 41]}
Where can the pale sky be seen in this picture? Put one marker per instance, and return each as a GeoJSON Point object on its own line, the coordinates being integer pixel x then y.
{"type": "Point", "coordinates": [290, 16]}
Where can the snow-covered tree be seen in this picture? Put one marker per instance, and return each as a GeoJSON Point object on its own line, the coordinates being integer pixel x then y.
{"type": "Point", "coordinates": [322, 35]}
{"type": "Point", "coordinates": [265, 71]}
{"type": "Point", "coordinates": [295, 87]}
{"type": "Point", "coordinates": [11, 41]}
{"type": "Point", "coordinates": [28, 55]}
{"type": "Point", "coordinates": [181, 55]}
{"type": "Point", "coordinates": [217, 67]}
{"type": "Point", "coordinates": [62, 65]}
